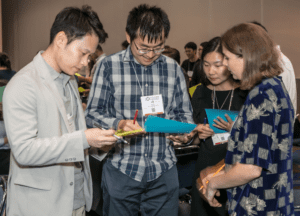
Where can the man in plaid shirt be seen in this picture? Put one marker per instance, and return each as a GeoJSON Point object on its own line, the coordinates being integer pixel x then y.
{"type": "Point", "coordinates": [141, 175]}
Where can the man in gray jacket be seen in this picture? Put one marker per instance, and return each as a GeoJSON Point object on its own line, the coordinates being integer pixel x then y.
{"type": "Point", "coordinates": [49, 172]}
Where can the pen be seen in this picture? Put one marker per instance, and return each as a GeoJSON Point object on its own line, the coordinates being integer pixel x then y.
{"type": "Point", "coordinates": [204, 123]}
{"type": "Point", "coordinates": [119, 138]}
{"type": "Point", "coordinates": [135, 116]}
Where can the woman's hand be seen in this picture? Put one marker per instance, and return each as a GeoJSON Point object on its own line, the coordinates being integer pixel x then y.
{"type": "Point", "coordinates": [210, 194]}
{"type": "Point", "coordinates": [204, 131]}
{"type": "Point", "coordinates": [207, 193]}
{"type": "Point", "coordinates": [221, 124]}
{"type": "Point", "coordinates": [205, 177]}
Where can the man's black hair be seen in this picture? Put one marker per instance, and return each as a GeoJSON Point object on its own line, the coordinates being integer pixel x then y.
{"type": "Point", "coordinates": [76, 23]}
{"type": "Point", "coordinates": [259, 24]}
{"type": "Point", "coordinates": [191, 45]}
{"type": "Point", "coordinates": [147, 21]}
{"type": "Point", "coordinates": [4, 61]}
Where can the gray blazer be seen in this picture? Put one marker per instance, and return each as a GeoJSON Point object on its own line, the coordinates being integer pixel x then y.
{"type": "Point", "coordinates": [41, 178]}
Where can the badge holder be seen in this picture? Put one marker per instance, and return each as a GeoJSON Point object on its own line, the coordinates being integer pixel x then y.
{"type": "Point", "coordinates": [220, 138]}
{"type": "Point", "coordinates": [152, 105]}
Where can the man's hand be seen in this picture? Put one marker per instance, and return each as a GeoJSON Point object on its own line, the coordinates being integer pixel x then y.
{"type": "Point", "coordinates": [88, 80]}
{"type": "Point", "coordinates": [100, 138]}
{"type": "Point", "coordinates": [127, 125]}
{"type": "Point", "coordinates": [220, 123]}
{"type": "Point", "coordinates": [180, 139]}
{"type": "Point", "coordinates": [86, 92]}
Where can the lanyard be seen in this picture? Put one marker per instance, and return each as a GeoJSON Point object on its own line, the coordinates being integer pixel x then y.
{"type": "Point", "coordinates": [137, 78]}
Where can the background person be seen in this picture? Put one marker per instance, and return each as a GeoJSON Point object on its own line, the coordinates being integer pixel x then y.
{"type": "Point", "coordinates": [196, 78]}
{"type": "Point", "coordinates": [4, 145]}
{"type": "Point", "coordinates": [6, 73]}
{"type": "Point", "coordinates": [258, 174]}
{"type": "Point", "coordinates": [191, 52]}
{"type": "Point", "coordinates": [99, 56]}
{"type": "Point", "coordinates": [124, 45]}
{"type": "Point", "coordinates": [175, 54]}
{"type": "Point", "coordinates": [200, 49]}
{"type": "Point", "coordinates": [287, 75]}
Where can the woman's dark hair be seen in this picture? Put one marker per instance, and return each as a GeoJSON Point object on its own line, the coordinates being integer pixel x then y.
{"type": "Point", "coordinates": [255, 46]}
{"type": "Point", "coordinates": [172, 53]}
{"type": "Point", "coordinates": [76, 23]}
{"type": "Point", "coordinates": [214, 45]}
{"type": "Point", "coordinates": [147, 21]}
{"type": "Point", "coordinates": [125, 44]}
{"type": "Point", "coordinates": [203, 44]}
{"type": "Point", "coordinates": [4, 61]}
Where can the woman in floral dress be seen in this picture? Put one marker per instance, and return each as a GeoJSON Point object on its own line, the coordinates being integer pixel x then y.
{"type": "Point", "coordinates": [258, 171]}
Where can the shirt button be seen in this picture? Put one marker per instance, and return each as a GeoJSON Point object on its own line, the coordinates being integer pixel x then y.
{"type": "Point", "coordinates": [145, 155]}
{"type": "Point", "coordinates": [146, 137]}
{"type": "Point", "coordinates": [71, 183]}
{"type": "Point", "coordinates": [146, 85]}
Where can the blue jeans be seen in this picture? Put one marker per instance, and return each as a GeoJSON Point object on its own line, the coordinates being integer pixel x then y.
{"type": "Point", "coordinates": [123, 196]}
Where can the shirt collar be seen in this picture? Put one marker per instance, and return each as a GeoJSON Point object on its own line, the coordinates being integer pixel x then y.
{"type": "Point", "coordinates": [100, 56]}
{"type": "Point", "coordinates": [55, 75]}
{"type": "Point", "coordinates": [128, 56]}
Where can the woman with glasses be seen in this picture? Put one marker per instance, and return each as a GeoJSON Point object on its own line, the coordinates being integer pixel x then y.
{"type": "Point", "coordinates": [258, 172]}
{"type": "Point", "coordinates": [218, 91]}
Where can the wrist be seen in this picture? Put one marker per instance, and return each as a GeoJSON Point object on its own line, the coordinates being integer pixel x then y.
{"type": "Point", "coordinates": [212, 185]}
{"type": "Point", "coordinates": [121, 124]}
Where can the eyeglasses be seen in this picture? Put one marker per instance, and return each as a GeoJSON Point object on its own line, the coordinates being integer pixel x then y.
{"type": "Point", "coordinates": [145, 51]}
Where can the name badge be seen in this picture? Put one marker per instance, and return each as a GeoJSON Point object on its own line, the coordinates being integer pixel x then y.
{"type": "Point", "coordinates": [220, 138]}
{"type": "Point", "coordinates": [152, 105]}
{"type": "Point", "coordinates": [190, 73]}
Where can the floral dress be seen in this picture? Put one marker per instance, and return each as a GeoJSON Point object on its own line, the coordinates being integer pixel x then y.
{"type": "Point", "coordinates": [263, 135]}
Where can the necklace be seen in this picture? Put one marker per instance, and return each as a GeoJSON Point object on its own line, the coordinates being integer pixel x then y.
{"type": "Point", "coordinates": [215, 99]}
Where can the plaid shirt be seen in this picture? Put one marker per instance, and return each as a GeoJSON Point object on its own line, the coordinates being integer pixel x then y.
{"type": "Point", "coordinates": [118, 85]}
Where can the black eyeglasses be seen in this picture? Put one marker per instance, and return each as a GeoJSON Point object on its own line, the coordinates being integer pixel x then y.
{"type": "Point", "coordinates": [145, 51]}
